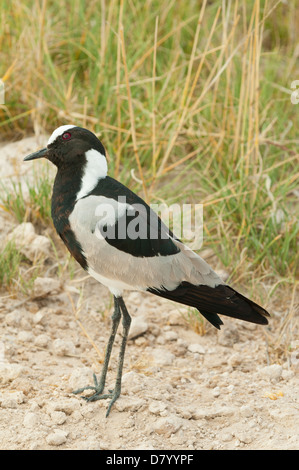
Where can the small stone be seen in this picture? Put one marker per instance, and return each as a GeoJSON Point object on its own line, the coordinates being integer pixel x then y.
{"type": "Point", "coordinates": [42, 340]}
{"type": "Point", "coordinates": [57, 437]}
{"type": "Point", "coordinates": [25, 336]}
{"type": "Point", "coordinates": [246, 411]}
{"type": "Point", "coordinates": [80, 377]}
{"type": "Point", "coordinates": [58, 417]}
{"type": "Point", "coordinates": [31, 420]}
{"type": "Point", "coordinates": [64, 348]}
{"type": "Point", "coordinates": [235, 360]}
{"type": "Point", "coordinates": [44, 286]}
{"type": "Point", "coordinates": [226, 437]}
{"type": "Point", "coordinates": [18, 318]}
{"type": "Point", "coordinates": [171, 335]}
{"type": "Point", "coordinates": [228, 335]}
{"type": "Point", "coordinates": [156, 407]}
{"type": "Point", "coordinates": [272, 372]}
{"type": "Point", "coordinates": [12, 399]}
{"type": "Point", "coordinates": [125, 403]}
{"type": "Point", "coordinates": [9, 372]}
{"type": "Point", "coordinates": [163, 357]}
{"type": "Point", "coordinates": [216, 392]}
{"type": "Point", "coordinates": [167, 425]}
{"type": "Point", "coordinates": [40, 246]}
{"type": "Point", "coordinates": [138, 327]}
{"type": "Point", "coordinates": [68, 406]}
{"type": "Point", "coordinates": [196, 348]}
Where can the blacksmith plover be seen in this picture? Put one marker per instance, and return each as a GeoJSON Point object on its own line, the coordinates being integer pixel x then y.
{"type": "Point", "coordinates": [92, 213]}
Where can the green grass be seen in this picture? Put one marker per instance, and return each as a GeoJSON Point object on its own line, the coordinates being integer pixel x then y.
{"type": "Point", "coordinates": [30, 202]}
{"type": "Point", "coordinates": [192, 96]}
{"type": "Point", "coordinates": [10, 260]}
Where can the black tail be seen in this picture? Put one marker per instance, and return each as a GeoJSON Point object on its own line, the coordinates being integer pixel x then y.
{"type": "Point", "coordinates": [210, 301]}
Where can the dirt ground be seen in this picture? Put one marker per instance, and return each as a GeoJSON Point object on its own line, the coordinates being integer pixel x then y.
{"type": "Point", "coordinates": [181, 390]}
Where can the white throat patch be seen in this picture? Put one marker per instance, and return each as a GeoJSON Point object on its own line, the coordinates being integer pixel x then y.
{"type": "Point", "coordinates": [59, 131]}
{"type": "Point", "coordinates": [95, 169]}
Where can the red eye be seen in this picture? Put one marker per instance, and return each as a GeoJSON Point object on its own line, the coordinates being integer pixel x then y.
{"type": "Point", "coordinates": [66, 136]}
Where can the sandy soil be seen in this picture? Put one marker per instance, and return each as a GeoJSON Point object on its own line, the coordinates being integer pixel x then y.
{"type": "Point", "coordinates": [180, 390]}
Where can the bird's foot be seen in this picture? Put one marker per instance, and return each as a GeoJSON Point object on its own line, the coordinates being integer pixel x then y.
{"type": "Point", "coordinates": [99, 395]}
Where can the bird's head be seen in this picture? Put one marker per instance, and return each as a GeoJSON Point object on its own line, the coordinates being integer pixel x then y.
{"type": "Point", "coordinates": [71, 146]}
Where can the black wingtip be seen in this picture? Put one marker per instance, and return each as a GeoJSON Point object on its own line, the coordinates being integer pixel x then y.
{"type": "Point", "coordinates": [211, 301]}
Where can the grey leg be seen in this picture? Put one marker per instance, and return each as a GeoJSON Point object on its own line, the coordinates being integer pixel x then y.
{"type": "Point", "coordinates": [126, 321]}
{"type": "Point", "coordinates": [99, 385]}
{"type": "Point", "coordinates": [120, 307]}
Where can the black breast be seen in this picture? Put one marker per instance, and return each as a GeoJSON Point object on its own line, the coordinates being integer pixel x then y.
{"type": "Point", "coordinates": [66, 186]}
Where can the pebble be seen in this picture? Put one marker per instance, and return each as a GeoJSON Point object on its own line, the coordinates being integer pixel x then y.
{"type": "Point", "coordinates": [125, 403]}
{"type": "Point", "coordinates": [272, 372]}
{"type": "Point", "coordinates": [80, 377]}
{"type": "Point", "coordinates": [228, 336]}
{"type": "Point", "coordinates": [58, 417]}
{"type": "Point", "coordinates": [64, 348]}
{"type": "Point", "coordinates": [156, 407]}
{"type": "Point", "coordinates": [42, 340]}
{"type": "Point", "coordinates": [45, 285]}
{"type": "Point", "coordinates": [11, 399]}
{"type": "Point", "coordinates": [68, 406]}
{"type": "Point", "coordinates": [167, 425]}
{"type": "Point", "coordinates": [246, 411]}
{"type": "Point", "coordinates": [196, 348]}
{"type": "Point", "coordinates": [31, 420]}
{"type": "Point", "coordinates": [29, 243]}
{"type": "Point", "coordinates": [9, 372]}
{"type": "Point", "coordinates": [25, 336]}
{"type": "Point", "coordinates": [138, 327]}
{"type": "Point", "coordinates": [163, 357]}
{"type": "Point", "coordinates": [57, 437]}
{"type": "Point", "coordinates": [19, 318]}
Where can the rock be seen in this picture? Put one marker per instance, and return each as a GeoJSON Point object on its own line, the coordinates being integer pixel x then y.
{"type": "Point", "coordinates": [25, 336]}
{"type": "Point", "coordinates": [11, 399]}
{"type": "Point", "coordinates": [23, 235]}
{"type": "Point", "coordinates": [228, 335]}
{"type": "Point", "coordinates": [171, 335]}
{"type": "Point", "coordinates": [125, 403]}
{"type": "Point", "coordinates": [44, 286]}
{"type": "Point", "coordinates": [167, 425]}
{"type": "Point", "coordinates": [157, 407]}
{"type": "Point", "coordinates": [31, 420]}
{"type": "Point", "coordinates": [29, 243]}
{"type": "Point", "coordinates": [196, 348]}
{"type": "Point", "coordinates": [272, 372]}
{"type": "Point", "coordinates": [40, 246]}
{"type": "Point", "coordinates": [80, 378]}
{"type": "Point", "coordinates": [163, 357]}
{"type": "Point", "coordinates": [57, 437]}
{"type": "Point", "coordinates": [18, 318]}
{"type": "Point", "coordinates": [64, 348]}
{"type": "Point", "coordinates": [213, 412]}
{"type": "Point", "coordinates": [67, 406]}
{"type": "Point", "coordinates": [246, 411]}
{"type": "Point", "coordinates": [42, 340]}
{"type": "Point", "coordinates": [9, 372]}
{"type": "Point", "coordinates": [138, 327]}
{"type": "Point", "coordinates": [58, 417]}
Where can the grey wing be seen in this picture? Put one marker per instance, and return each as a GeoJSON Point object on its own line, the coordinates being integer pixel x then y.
{"type": "Point", "coordinates": [169, 263]}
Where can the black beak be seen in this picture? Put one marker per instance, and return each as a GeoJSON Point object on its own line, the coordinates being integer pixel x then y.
{"type": "Point", "coordinates": [39, 154]}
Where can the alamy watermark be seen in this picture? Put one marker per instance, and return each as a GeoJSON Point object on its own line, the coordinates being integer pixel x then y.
{"type": "Point", "coordinates": [2, 92]}
{"type": "Point", "coordinates": [295, 93]}
{"type": "Point", "coordinates": [122, 220]}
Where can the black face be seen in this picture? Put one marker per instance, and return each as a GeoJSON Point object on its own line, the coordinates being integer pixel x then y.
{"type": "Point", "coordinates": [69, 147]}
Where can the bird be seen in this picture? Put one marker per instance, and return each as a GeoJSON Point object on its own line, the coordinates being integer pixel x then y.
{"type": "Point", "coordinates": [119, 240]}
